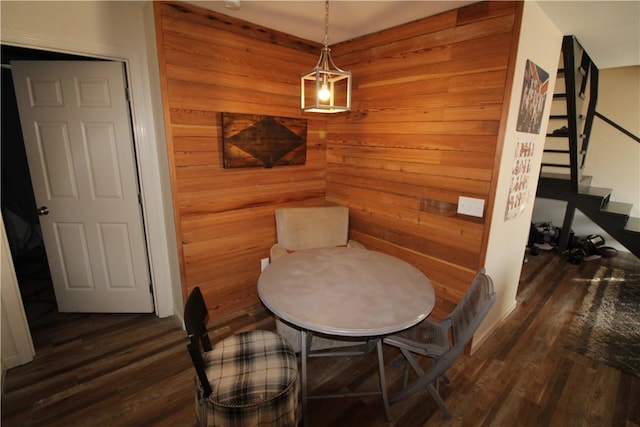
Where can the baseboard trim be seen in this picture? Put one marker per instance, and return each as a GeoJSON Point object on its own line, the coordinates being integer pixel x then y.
{"type": "Point", "coordinates": [479, 340]}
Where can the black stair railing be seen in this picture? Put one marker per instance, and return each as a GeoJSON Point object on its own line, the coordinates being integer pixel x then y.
{"type": "Point", "coordinates": [617, 126]}
{"type": "Point", "coordinates": [576, 80]}
{"type": "Point", "coordinates": [591, 111]}
{"type": "Point", "coordinates": [581, 85]}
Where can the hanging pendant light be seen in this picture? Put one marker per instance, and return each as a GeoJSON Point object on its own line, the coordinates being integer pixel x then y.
{"type": "Point", "coordinates": [326, 88]}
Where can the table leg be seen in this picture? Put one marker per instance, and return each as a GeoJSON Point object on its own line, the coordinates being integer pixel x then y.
{"type": "Point", "coordinates": [383, 382]}
{"type": "Point", "coordinates": [303, 357]}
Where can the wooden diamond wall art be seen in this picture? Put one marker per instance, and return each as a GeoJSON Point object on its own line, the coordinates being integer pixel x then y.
{"type": "Point", "coordinates": [250, 140]}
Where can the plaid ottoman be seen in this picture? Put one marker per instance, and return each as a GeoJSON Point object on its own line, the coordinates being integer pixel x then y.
{"type": "Point", "coordinates": [254, 378]}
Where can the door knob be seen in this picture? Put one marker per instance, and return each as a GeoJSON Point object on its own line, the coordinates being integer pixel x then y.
{"type": "Point", "coordinates": [43, 210]}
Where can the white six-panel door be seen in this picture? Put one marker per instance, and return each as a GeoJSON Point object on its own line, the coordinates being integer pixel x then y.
{"type": "Point", "coordinates": [78, 139]}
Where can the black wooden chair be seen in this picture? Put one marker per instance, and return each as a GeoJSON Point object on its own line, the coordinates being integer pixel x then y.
{"type": "Point", "coordinates": [195, 322]}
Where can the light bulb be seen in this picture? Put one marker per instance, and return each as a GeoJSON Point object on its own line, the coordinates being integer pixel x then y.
{"type": "Point", "coordinates": [324, 94]}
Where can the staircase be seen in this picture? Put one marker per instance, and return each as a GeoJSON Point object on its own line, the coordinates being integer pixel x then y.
{"type": "Point", "coordinates": [561, 178]}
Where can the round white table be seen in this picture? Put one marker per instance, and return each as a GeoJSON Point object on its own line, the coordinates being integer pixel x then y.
{"type": "Point", "coordinates": [346, 292]}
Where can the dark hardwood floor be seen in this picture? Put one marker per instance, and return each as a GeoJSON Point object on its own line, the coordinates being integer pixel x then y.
{"type": "Point", "coordinates": [133, 370]}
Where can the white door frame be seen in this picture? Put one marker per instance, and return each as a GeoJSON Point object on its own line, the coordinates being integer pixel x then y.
{"type": "Point", "coordinates": [137, 156]}
{"type": "Point", "coordinates": [150, 146]}
{"type": "Point", "coordinates": [22, 350]}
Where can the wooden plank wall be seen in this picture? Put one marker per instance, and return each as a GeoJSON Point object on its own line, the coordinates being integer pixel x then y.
{"type": "Point", "coordinates": [209, 64]}
{"type": "Point", "coordinates": [427, 108]}
{"type": "Point", "coordinates": [424, 129]}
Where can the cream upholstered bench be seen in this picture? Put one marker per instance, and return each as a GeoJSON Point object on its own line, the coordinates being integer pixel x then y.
{"type": "Point", "coordinates": [302, 228]}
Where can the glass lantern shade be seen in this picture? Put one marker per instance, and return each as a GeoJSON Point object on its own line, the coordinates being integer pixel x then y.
{"type": "Point", "coordinates": [326, 88]}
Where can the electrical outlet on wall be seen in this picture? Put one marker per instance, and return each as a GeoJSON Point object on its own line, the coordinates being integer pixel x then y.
{"type": "Point", "coordinates": [471, 206]}
{"type": "Point", "coordinates": [264, 262]}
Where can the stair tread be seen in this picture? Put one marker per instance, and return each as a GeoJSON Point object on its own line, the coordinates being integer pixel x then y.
{"type": "Point", "coordinates": [585, 181]}
{"type": "Point", "coordinates": [551, 175]}
{"type": "Point", "coordinates": [633, 225]}
{"type": "Point", "coordinates": [596, 191]}
{"type": "Point", "coordinates": [618, 208]}
{"type": "Point", "coordinates": [556, 165]}
{"type": "Point", "coordinates": [546, 150]}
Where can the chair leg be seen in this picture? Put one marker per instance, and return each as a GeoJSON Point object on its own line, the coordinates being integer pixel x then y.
{"type": "Point", "coordinates": [413, 362]}
{"type": "Point", "coordinates": [405, 375]}
{"type": "Point", "coordinates": [402, 361]}
{"type": "Point", "coordinates": [303, 361]}
{"type": "Point", "coordinates": [407, 388]}
{"type": "Point", "coordinates": [439, 401]}
{"type": "Point", "coordinates": [383, 384]}
{"type": "Point", "coordinates": [432, 387]}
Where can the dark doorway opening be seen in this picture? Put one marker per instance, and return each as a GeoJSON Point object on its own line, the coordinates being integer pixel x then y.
{"type": "Point", "coordinates": [19, 210]}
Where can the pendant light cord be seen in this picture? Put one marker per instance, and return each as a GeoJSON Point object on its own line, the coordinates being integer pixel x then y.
{"type": "Point", "coordinates": [326, 78]}
{"type": "Point", "coordinates": [326, 23]}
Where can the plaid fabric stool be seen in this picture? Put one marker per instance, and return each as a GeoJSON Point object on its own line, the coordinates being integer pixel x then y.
{"type": "Point", "coordinates": [254, 381]}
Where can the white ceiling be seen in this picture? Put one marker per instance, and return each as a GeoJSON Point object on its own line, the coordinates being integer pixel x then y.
{"type": "Point", "coordinates": [609, 30]}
